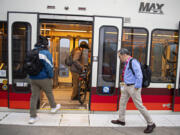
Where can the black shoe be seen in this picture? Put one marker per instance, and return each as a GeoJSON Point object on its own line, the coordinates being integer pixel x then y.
{"type": "Point", "coordinates": [150, 128]}
{"type": "Point", "coordinates": [118, 122]}
{"type": "Point", "coordinates": [75, 98]}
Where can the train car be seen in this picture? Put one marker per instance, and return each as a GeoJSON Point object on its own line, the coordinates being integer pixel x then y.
{"type": "Point", "coordinates": [148, 28]}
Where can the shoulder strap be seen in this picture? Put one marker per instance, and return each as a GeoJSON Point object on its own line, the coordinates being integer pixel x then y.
{"type": "Point", "coordinates": [81, 54]}
{"type": "Point", "coordinates": [130, 66]}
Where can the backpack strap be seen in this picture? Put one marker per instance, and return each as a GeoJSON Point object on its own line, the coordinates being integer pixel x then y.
{"type": "Point", "coordinates": [130, 66]}
{"type": "Point", "coordinates": [81, 54]}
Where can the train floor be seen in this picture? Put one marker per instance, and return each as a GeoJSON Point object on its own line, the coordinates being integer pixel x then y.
{"type": "Point", "coordinates": [62, 95]}
{"type": "Point", "coordinates": [78, 123]}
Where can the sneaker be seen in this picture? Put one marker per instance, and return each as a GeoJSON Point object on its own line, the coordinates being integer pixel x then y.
{"type": "Point", "coordinates": [54, 110]}
{"type": "Point", "coordinates": [32, 120]}
{"type": "Point", "coordinates": [150, 128]}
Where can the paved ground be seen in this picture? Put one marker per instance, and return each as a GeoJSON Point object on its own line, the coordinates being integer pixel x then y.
{"type": "Point", "coordinates": [15, 122]}
{"type": "Point", "coordinates": [48, 130]}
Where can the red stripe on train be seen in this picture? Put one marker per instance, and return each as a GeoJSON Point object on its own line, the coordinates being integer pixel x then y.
{"type": "Point", "coordinates": [145, 98]}
{"type": "Point", "coordinates": [3, 98]}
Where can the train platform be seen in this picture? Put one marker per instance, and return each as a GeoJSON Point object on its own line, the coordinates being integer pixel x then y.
{"type": "Point", "coordinates": [77, 120]}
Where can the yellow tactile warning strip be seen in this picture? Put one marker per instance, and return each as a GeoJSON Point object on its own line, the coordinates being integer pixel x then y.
{"type": "Point", "coordinates": [65, 109]}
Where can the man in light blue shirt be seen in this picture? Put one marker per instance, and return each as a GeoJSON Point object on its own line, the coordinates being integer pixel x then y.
{"type": "Point", "coordinates": [132, 88]}
{"type": "Point", "coordinates": [129, 77]}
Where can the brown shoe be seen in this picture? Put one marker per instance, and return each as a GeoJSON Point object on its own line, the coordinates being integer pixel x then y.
{"type": "Point", "coordinates": [118, 122]}
{"type": "Point", "coordinates": [150, 128]}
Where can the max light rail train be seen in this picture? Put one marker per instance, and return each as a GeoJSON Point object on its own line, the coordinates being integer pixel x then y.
{"type": "Point", "coordinates": [148, 28]}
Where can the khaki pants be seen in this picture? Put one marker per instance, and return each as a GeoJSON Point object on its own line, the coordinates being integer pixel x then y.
{"type": "Point", "coordinates": [36, 87]}
{"type": "Point", "coordinates": [75, 81]}
{"type": "Point", "coordinates": [130, 91]}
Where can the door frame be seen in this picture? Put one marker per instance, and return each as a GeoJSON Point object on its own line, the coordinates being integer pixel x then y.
{"type": "Point", "coordinates": [176, 90]}
{"type": "Point", "coordinates": [104, 102]}
{"type": "Point", "coordinates": [15, 99]}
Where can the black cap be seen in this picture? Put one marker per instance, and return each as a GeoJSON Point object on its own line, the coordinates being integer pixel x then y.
{"type": "Point", "coordinates": [42, 42]}
{"type": "Point", "coordinates": [84, 44]}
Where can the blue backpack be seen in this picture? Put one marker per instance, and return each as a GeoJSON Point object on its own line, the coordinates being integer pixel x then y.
{"type": "Point", "coordinates": [146, 71]}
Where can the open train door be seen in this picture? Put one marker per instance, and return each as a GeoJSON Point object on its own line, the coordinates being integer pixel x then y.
{"type": "Point", "coordinates": [105, 63]}
{"type": "Point", "coordinates": [176, 93]}
{"type": "Point", "coordinates": [22, 35]}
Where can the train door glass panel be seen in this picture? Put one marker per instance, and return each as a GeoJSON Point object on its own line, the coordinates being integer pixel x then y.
{"type": "Point", "coordinates": [64, 53]}
{"type": "Point", "coordinates": [107, 58]}
{"type": "Point", "coordinates": [3, 50]}
{"type": "Point", "coordinates": [164, 50]}
{"type": "Point", "coordinates": [21, 32]}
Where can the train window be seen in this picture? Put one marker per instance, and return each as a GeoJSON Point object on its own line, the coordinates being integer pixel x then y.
{"type": "Point", "coordinates": [20, 46]}
{"type": "Point", "coordinates": [107, 58]}
{"type": "Point", "coordinates": [136, 41]}
{"type": "Point", "coordinates": [3, 49]}
{"type": "Point", "coordinates": [164, 50]}
{"type": "Point", "coordinates": [64, 52]}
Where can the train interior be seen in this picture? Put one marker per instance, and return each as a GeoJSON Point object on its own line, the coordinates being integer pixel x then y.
{"type": "Point", "coordinates": [63, 38]}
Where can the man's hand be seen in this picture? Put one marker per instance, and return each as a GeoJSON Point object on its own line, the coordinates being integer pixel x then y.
{"type": "Point", "coordinates": [85, 68]}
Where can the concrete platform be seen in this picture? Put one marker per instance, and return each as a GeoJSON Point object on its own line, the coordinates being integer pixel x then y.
{"type": "Point", "coordinates": [84, 120]}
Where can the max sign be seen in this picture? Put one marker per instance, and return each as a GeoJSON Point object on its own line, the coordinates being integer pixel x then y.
{"type": "Point", "coordinates": [151, 8]}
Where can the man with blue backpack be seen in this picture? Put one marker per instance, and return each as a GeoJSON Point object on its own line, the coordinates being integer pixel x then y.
{"type": "Point", "coordinates": [39, 66]}
{"type": "Point", "coordinates": [133, 78]}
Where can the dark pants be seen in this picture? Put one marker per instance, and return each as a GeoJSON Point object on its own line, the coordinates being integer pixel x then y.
{"type": "Point", "coordinates": [75, 81]}
{"type": "Point", "coordinates": [36, 87]}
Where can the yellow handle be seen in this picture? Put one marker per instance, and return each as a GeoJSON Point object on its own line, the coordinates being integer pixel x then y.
{"type": "Point", "coordinates": [1, 66]}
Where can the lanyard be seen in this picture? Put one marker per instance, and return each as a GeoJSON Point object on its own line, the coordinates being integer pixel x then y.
{"type": "Point", "coordinates": [125, 67]}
